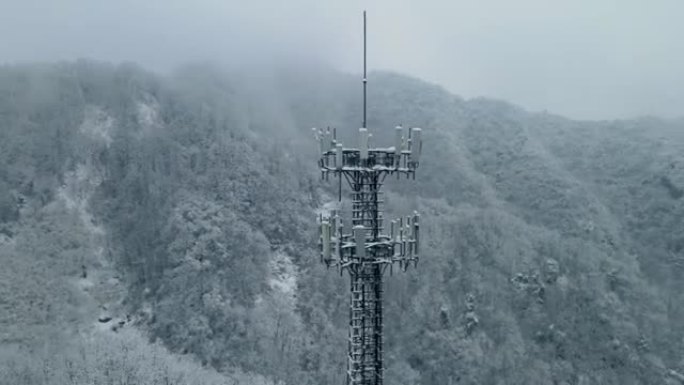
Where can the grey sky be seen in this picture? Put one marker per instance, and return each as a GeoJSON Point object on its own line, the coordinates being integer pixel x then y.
{"type": "Point", "coordinates": [598, 59]}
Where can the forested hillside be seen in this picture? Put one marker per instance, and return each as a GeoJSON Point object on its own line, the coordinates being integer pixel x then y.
{"type": "Point", "coordinates": [174, 217]}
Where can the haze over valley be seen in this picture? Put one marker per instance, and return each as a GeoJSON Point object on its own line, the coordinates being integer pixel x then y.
{"type": "Point", "coordinates": [159, 192]}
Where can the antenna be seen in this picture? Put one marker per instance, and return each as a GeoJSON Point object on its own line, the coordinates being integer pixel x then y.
{"type": "Point", "coordinates": [365, 79]}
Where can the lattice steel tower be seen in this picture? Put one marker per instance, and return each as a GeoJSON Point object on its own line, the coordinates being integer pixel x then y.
{"type": "Point", "coordinates": [367, 251]}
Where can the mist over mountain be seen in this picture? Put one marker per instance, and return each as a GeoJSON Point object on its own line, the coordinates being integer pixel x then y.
{"type": "Point", "coordinates": [161, 229]}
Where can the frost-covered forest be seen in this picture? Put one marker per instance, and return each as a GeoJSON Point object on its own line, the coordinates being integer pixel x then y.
{"type": "Point", "coordinates": [161, 230]}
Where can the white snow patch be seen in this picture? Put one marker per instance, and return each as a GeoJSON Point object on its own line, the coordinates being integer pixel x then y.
{"type": "Point", "coordinates": [103, 327]}
{"type": "Point", "coordinates": [99, 283]}
{"type": "Point", "coordinates": [79, 186]}
{"type": "Point", "coordinates": [283, 275]}
{"type": "Point", "coordinates": [85, 283]}
{"type": "Point", "coordinates": [6, 240]}
{"type": "Point", "coordinates": [148, 116]}
{"type": "Point", "coordinates": [563, 283]}
{"type": "Point", "coordinates": [97, 124]}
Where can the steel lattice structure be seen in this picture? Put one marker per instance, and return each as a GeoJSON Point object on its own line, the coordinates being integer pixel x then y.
{"type": "Point", "coordinates": [367, 251]}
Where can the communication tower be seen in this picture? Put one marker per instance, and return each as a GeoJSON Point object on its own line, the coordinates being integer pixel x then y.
{"type": "Point", "coordinates": [368, 250]}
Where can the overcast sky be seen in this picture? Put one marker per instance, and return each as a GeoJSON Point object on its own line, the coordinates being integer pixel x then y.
{"type": "Point", "coordinates": [590, 59]}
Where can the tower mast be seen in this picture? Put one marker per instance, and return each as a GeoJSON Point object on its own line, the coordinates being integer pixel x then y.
{"type": "Point", "coordinates": [368, 249]}
{"type": "Point", "coordinates": [365, 78]}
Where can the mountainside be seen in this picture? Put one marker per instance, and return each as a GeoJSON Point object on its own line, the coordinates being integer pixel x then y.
{"type": "Point", "coordinates": [180, 211]}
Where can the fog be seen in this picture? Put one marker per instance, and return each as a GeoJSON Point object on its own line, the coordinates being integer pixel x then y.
{"type": "Point", "coordinates": [587, 59]}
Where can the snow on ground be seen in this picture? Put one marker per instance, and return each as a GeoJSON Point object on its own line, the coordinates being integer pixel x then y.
{"type": "Point", "coordinates": [98, 281]}
{"type": "Point", "coordinates": [5, 240]}
{"type": "Point", "coordinates": [97, 124]}
{"type": "Point", "coordinates": [148, 116]}
{"type": "Point", "coordinates": [284, 276]}
{"type": "Point", "coordinates": [78, 187]}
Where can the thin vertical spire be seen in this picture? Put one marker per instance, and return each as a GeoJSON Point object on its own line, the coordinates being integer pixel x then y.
{"type": "Point", "coordinates": [365, 79]}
